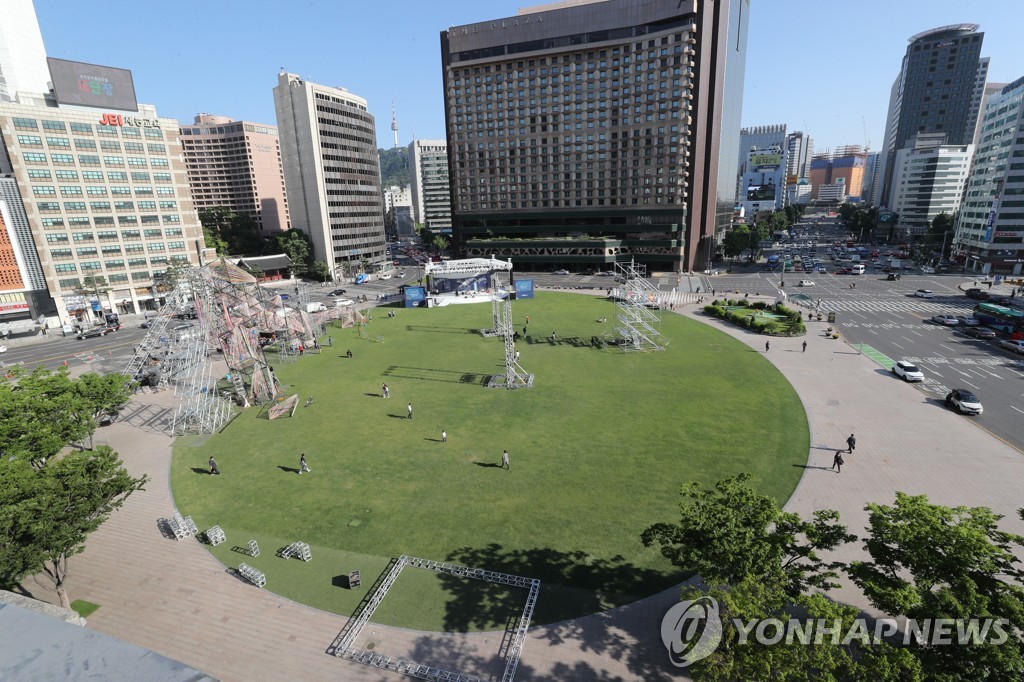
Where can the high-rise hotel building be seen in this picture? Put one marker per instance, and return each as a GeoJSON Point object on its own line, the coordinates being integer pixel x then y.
{"type": "Point", "coordinates": [102, 187]}
{"type": "Point", "coordinates": [237, 165]}
{"type": "Point", "coordinates": [586, 133]}
{"type": "Point", "coordinates": [332, 172]}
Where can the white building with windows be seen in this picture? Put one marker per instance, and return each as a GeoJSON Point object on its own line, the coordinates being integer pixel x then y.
{"type": "Point", "coordinates": [331, 171]}
{"type": "Point", "coordinates": [22, 53]}
{"type": "Point", "coordinates": [928, 178]}
{"type": "Point", "coordinates": [431, 195]}
{"type": "Point", "coordinates": [990, 227]}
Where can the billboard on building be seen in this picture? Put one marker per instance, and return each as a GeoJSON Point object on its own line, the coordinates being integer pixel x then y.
{"type": "Point", "coordinates": [91, 85]}
{"type": "Point", "coordinates": [765, 161]}
{"type": "Point", "coordinates": [761, 192]}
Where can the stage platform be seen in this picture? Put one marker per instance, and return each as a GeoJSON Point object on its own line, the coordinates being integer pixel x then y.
{"type": "Point", "coordinates": [442, 300]}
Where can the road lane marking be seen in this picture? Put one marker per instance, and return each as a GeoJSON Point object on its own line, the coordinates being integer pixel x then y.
{"type": "Point", "coordinates": [898, 345]}
{"type": "Point", "coordinates": [971, 385]}
{"type": "Point", "coordinates": [1015, 408]}
{"type": "Point", "coordinates": [949, 348]}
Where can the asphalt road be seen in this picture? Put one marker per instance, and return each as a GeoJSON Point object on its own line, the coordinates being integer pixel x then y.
{"type": "Point", "coordinates": [53, 353]}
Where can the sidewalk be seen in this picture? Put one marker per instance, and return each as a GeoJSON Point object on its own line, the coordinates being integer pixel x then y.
{"type": "Point", "coordinates": [175, 598]}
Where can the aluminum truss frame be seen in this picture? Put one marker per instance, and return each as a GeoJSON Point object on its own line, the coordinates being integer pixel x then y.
{"type": "Point", "coordinates": [342, 645]}
{"type": "Point", "coordinates": [639, 327]}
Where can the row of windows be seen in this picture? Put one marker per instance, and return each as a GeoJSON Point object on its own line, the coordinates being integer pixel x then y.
{"type": "Point", "coordinates": [92, 251]}
{"type": "Point", "coordinates": [79, 206]}
{"type": "Point", "coordinates": [102, 190]}
{"type": "Point", "coordinates": [62, 237]}
{"type": "Point", "coordinates": [87, 129]}
{"type": "Point", "coordinates": [97, 176]}
{"type": "Point", "coordinates": [93, 160]}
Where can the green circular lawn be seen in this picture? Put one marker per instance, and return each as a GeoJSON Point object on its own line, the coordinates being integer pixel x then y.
{"type": "Point", "coordinates": [599, 448]}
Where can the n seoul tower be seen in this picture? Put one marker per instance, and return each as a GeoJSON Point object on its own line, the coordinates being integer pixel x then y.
{"type": "Point", "coordinates": [394, 123]}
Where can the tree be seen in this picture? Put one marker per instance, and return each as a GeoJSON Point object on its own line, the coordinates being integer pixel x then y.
{"type": "Point", "coordinates": [297, 245]}
{"type": "Point", "coordinates": [46, 516]}
{"type": "Point", "coordinates": [440, 243]}
{"type": "Point", "coordinates": [230, 232]}
{"type": "Point", "coordinates": [321, 271]}
{"type": "Point", "coordinates": [103, 393]}
{"type": "Point", "coordinates": [172, 274]}
{"type": "Point", "coordinates": [929, 561]}
{"type": "Point", "coordinates": [731, 532]}
{"type": "Point", "coordinates": [394, 167]}
{"type": "Point", "coordinates": [41, 414]}
{"type": "Point", "coordinates": [215, 221]}
{"type": "Point", "coordinates": [736, 241]}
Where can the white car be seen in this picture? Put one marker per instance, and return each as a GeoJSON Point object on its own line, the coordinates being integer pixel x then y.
{"type": "Point", "coordinates": [805, 283]}
{"type": "Point", "coordinates": [339, 302]}
{"type": "Point", "coordinates": [561, 272]}
{"type": "Point", "coordinates": [926, 270]}
{"type": "Point", "coordinates": [908, 371]}
{"type": "Point", "coordinates": [386, 275]}
{"type": "Point", "coordinates": [1011, 344]}
{"type": "Point", "coordinates": [3, 349]}
{"type": "Point", "coordinates": [947, 320]}
{"type": "Point", "coordinates": [924, 293]}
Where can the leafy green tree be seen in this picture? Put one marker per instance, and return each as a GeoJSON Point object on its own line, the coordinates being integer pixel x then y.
{"type": "Point", "coordinates": [826, 657]}
{"type": "Point", "coordinates": [297, 245]}
{"type": "Point", "coordinates": [215, 221]}
{"type": "Point", "coordinates": [103, 393]}
{"type": "Point", "coordinates": [441, 243]}
{"type": "Point", "coordinates": [46, 515]}
{"type": "Point", "coordinates": [930, 561]}
{"type": "Point", "coordinates": [321, 271]}
{"type": "Point", "coordinates": [230, 232]}
{"type": "Point", "coordinates": [732, 532]}
{"type": "Point", "coordinates": [41, 414]}
{"type": "Point", "coordinates": [736, 241]}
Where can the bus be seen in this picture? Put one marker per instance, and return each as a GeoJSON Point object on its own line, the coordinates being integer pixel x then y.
{"type": "Point", "coordinates": [1001, 319]}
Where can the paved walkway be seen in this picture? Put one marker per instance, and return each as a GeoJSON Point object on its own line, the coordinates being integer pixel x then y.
{"type": "Point", "coordinates": [176, 599]}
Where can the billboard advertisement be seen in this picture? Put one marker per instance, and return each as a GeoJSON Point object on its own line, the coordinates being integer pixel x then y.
{"type": "Point", "coordinates": [765, 161]}
{"type": "Point", "coordinates": [524, 288]}
{"type": "Point", "coordinates": [761, 193]}
{"type": "Point", "coordinates": [413, 296]}
{"type": "Point", "coordinates": [90, 85]}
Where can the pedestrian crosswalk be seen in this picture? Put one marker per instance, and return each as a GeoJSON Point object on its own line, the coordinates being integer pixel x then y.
{"type": "Point", "coordinates": [897, 306]}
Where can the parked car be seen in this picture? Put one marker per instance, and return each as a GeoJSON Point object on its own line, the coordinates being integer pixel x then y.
{"type": "Point", "coordinates": [924, 293]}
{"type": "Point", "coordinates": [968, 321]}
{"type": "Point", "coordinates": [805, 283]}
{"type": "Point", "coordinates": [980, 332]}
{"type": "Point", "coordinates": [908, 371]}
{"type": "Point", "coordinates": [3, 349]}
{"type": "Point", "coordinates": [1016, 345]}
{"type": "Point", "coordinates": [587, 273]}
{"type": "Point", "coordinates": [561, 272]}
{"type": "Point", "coordinates": [947, 320]}
{"type": "Point", "coordinates": [964, 401]}
{"type": "Point", "coordinates": [606, 273]}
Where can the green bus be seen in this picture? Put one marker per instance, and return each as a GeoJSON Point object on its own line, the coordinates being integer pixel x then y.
{"type": "Point", "coordinates": [1001, 319]}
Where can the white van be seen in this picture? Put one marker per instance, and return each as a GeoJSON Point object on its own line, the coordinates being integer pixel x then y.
{"type": "Point", "coordinates": [857, 269]}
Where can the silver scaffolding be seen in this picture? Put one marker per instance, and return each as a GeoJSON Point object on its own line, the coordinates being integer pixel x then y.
{"type": "Point", "coordinates": [639, 326]}
{"type": "Point", "coordinates": [342, 647]}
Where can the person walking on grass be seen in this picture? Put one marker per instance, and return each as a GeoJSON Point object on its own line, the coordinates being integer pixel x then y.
{"type": "Point", "coordinates": [385, 391]}
{"type": "Point", "coordinates": [213, 467]}
{"type": "Point", "coordinates": [851, 443]}
{"type": "Point", "coordinates": [504, 460]}
{"type": "Point", "coordinates": [410, 410]}
{"type": "Point", "coordinates": [444, 436]}
{"type": "Point", "coordinates": [303, 467]}
{"type": "Point", "coordinates": [837, 461]}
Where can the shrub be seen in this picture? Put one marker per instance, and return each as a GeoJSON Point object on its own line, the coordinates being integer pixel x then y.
{"type": "Point", "coordinates": [759, 305]}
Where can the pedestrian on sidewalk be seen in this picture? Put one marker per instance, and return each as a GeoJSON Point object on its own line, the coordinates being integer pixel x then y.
{"type": "Point", "coordinates": [213, 467]}
{"type": "Point", "coordinates": [767, 346]}
{"type": "Point", "coordinates": [851, 442]}
{"type": "Point", "coordinates": [837, 461]}
{"type": "Point", "coordinates": [444, 436]}
{"type": "Point", "coordinates": [504, 460]}
{"type": "Point", "coordinates": [410, 410]}
{"type": "Point", "coordinates": [302, 464]}
{"type": "Point", "coordinates": [805, 347]}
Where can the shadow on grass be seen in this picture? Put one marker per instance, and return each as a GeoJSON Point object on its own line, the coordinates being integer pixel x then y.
{"type": "Point", "coordinates": [490, 465]}
{"type": "Point", "coordinates": [201, 470]}
{"type": "Point", "coordinates": [447, 376]}
{"type": "Point", "coordinates": [808, 466]}
{"type": "Point", "coordinates": [397, 416]}
{"type": "Point", "coordinates": [597, 583]}
{"type": "Point", "coordinates": [372, 395]}
{"type": "Point", "coordinates": [288, 470]}
{"type": "Point", "coordinates": [440, 330]}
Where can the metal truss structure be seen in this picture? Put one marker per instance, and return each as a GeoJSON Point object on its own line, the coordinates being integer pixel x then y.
{"type": "Point", "coordinates": [501, 314]}
{"type": "Point", "coordinates": [512, 646]}
{"type": "Point", "coordinates": [639, 327]}
{"type": "Point", "coordinates": [221, 309]}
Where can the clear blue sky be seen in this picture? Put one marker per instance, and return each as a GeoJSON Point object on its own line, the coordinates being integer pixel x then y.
{"type": "Point", "coordinates": [824, 67]}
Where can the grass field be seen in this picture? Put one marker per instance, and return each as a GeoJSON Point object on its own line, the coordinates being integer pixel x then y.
{"type": "Point", "coordinates": [599, 448]}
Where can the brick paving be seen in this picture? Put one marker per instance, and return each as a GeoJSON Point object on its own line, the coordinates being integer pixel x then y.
{"type": "Point", "coordinates": [176, 599]}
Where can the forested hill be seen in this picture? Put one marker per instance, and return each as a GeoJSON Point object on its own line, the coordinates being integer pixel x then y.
{"type": "Point", "coordinates": [394, 166]}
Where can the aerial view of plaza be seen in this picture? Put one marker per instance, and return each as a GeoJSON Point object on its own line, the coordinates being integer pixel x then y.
{"type": "Point", "coordinates": [596, 340]}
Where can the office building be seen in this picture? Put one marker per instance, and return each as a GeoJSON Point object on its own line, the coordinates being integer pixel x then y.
{"type": "Point", "coordinates": [763, 184]}
{"type": "Point", "coordinates": [832, 193]}
{"type": "Point", "coordinates": [431, 197]}
{"type": "Point", "coordinates": [819, 172]}
{"type": "Point", "coordinates": [332, 172]}
{"type": "Point", "coordinates": [237, 165]}
{"type": "Point", "coordinates": [22, 54]}
{"type": "Point", "coordinates": [799, 192]}
{"type": "Point", "coordinates": [928, 179]}
{"type": "Point", "coordinates": [938, 90]}
{"type": "Point", "coordinates": [105, 194]}
{"type": "Point", "coordinates": [872, 167]}
{"type": "Point", "coordinates": [847, 164]}
{"type": "Point", "coordinates": [397, 196]}
{"type": "Point", "coordinates": [990, 228]}
{"type": "Point", "coordinates": [799, 152]}
{"type": "Point", "coordinates": [759, 137]}
{"type": "Point", "coordinates": [594, 132]}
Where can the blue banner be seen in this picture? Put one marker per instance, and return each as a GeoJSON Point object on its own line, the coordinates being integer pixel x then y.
{"type": "Point", "coordinates": [414, 296]}
{"type": "Point", "coordinates": [524, 288]}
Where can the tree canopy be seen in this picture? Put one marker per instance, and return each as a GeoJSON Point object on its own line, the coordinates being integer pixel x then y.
{"type": "Point", "coordinates": [394, 167]}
